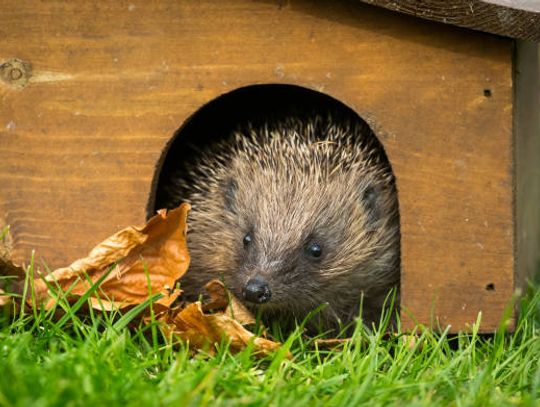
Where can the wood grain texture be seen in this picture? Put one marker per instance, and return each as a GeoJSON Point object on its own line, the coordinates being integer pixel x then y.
{"type": "Point", "coordinates": [111, 82]}
{"type": "Point", "coordinates": [510, 18]}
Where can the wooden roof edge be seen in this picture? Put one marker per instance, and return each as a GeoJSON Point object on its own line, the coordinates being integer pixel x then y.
{"type": "Point", "coordinates": [518, 19]}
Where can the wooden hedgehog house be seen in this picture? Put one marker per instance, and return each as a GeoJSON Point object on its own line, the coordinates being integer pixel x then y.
{"type": "Point", "coordinates": [94, 95]}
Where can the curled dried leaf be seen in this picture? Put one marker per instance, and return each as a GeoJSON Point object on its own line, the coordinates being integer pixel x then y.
{"type": "Point", "coordinates": [202, 331]}
{"type": "Point", "coordinates": [7, 268]}
{"type": "Point", "coordinates": [4, 299]}
{"type": "Point", "coordinates": [144, 261]}
{"type": "Point", "coordinates": [222, 299]}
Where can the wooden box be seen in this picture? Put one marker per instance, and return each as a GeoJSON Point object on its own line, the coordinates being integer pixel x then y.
{"type": "Point", "coordinates": [92, 94]}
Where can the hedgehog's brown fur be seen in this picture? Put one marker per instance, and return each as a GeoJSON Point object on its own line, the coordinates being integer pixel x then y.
{"type": "Point", "coordinates": [288, 184]}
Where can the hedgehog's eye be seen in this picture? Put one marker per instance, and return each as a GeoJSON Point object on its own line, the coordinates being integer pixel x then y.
{"type": "Point", "coordinates": [314, 250]}
{"type": "Point", "coordinates": [247, 240]}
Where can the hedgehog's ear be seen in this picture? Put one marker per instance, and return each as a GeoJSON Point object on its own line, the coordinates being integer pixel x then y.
{"type": "Point", "coordinates": [229, 194]}
{"type": "Point", "coordinates": [370, 200]}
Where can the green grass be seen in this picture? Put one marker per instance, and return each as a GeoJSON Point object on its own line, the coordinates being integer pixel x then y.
{"type": "Point", "coordinates": [96, 360]}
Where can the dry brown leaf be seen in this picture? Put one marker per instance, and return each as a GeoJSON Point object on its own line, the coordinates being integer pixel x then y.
{"type": "Point", "coordinates": [7, 268]}
{"type": "Point", "coordinates": [222, 300]}
{"type": "Point", "coordinates": [148, 259]}
{"type": "Point", "coordinates": [202, 330]}
{"type": "Point", "coordinates": [4, 299]}
{"type": "Point", "coordinates": [16, 276]}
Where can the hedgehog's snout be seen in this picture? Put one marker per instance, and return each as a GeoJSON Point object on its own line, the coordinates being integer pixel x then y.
{"type": "Point", "coordinates": [256, 291]}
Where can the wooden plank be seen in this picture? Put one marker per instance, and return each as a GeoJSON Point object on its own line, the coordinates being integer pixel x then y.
{"type": "Point", "coordinates": [527, 156]}
{"type": "Point", "coordinates": [510, 18]}
{"type": "Point", "coordinates": [111, 82]}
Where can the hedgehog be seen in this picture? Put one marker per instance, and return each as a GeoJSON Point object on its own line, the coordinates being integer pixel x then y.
{"type": "Point", "coordinates": [297, 217]}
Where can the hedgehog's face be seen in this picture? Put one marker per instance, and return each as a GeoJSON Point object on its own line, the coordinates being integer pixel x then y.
{"type": "Point", "coordinates": [296, 215]}
{"type": "Point", "coordinates": [297, 245]}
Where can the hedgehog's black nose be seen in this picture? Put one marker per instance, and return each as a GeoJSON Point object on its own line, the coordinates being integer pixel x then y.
{"type": "Point", "coordinates": [257, 291]}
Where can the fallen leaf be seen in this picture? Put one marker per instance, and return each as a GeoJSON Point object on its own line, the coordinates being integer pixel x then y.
{"type": "Point", "coordinates": [4, 299]}
{"type": "Point", "coordinates": [202, 330]}
{"type": "Point", "coordinates": [7, 268]}
{"type": "Point", "coordinates": [13, 281]}
{"type": "Point", "coordinates": [145, 261]}
{"type": "Point", "coordinates": [222, 300]}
